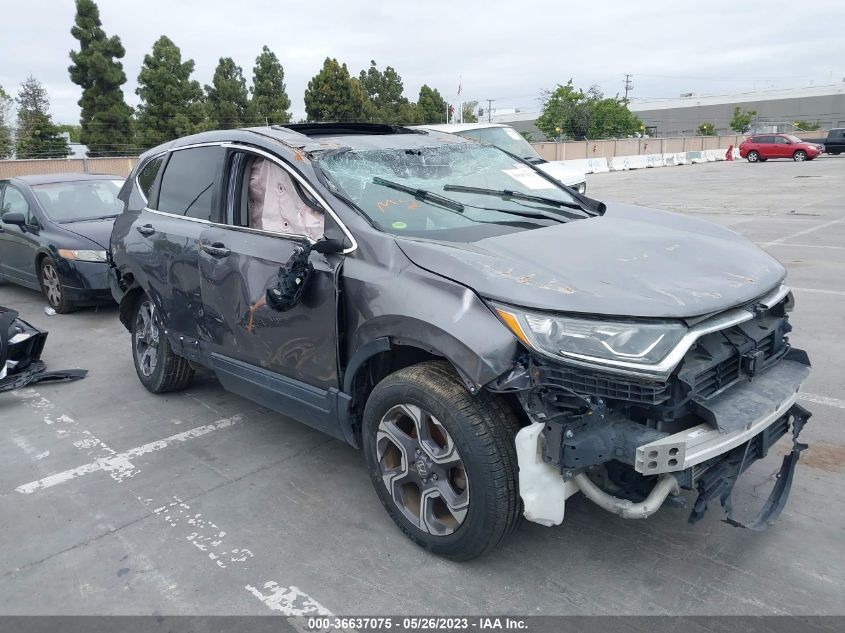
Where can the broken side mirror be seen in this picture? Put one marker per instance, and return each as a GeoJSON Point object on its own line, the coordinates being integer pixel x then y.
{"type": "Point", "coordinates": [291, 281]}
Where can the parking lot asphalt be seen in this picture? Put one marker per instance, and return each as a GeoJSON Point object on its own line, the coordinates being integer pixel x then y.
{"type": "Point", "coordinates": [117, 501]}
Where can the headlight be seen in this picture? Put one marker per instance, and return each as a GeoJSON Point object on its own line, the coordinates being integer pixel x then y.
{"type": "Point", "coordinates": [83, 256]}
{"type": "Point", "coordinates": [633, 345]}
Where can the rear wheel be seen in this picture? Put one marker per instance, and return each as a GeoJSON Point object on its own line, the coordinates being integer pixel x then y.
{"type": "Point", "coordinates": [443, 462]}
{"type": "Point", "coordinates": [52, 288]}
{"type": "Point", "coordinates": [158, 368]}
{"type": "Point", "coordinates": [753, 156]}
{"type": "Point", "coordinates": [799, 156]}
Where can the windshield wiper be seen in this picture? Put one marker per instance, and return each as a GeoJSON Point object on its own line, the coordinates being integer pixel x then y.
{"type": "Point", "coordinates": [421, 194]}
{"type": "Point", "coordinates": [518, 195]}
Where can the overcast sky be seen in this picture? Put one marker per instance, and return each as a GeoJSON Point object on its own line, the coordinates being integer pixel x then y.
{"type": "Point", "coordinates": [507, 51]}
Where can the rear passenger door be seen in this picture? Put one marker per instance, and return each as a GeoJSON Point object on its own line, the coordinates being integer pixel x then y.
{"type": "Point", "coordinates": [286, 360]}
{"type": "Point", "coordinates": [184, 200]}
{"type": "Point", "coordinates": [768, 149]}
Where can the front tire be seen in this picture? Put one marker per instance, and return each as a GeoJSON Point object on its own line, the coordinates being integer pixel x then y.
{"type": "Point", "coordinates": [442, 461]}
{"type": "Point", "coordinates": [52, 288]}
{"type": "Point", "coordinates": [800, 156]}
{"type": "Point", "coordinates": [159, 369]}
{"type": "Point", "coordinates": [753, 156]}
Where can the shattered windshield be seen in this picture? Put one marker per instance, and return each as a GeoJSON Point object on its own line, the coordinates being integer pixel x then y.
{"type": "Point", "coordinates": [413, 191]}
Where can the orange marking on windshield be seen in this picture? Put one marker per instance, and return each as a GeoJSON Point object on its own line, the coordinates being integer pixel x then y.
{"type": "Point", "coordinates": [384, 204]}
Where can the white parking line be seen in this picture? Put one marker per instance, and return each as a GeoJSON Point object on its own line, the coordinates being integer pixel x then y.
{"type": "Point", "coordinates": [801, 245]}
{"type": "Point", "coordinates": [207, 537]}
{"type": "Point", "coordinates": [804, 232]}
{"type": "Point", "coordinates": [831, 402]}
{"type": "Point", "coordinates": [118, 464]}
{"type": "Point", "coordinates": [819, 290]}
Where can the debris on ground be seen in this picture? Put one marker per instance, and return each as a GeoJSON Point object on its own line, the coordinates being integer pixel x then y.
{"type": "Point", "coordinates": [21, 345]}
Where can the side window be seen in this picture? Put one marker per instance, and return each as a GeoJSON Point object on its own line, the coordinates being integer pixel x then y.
{"type": "Point", "coordinates": [13, 200]}
{"type": "Point", "coordinates": [190, 183]}
{"type": "Point", "coordinates": [272, 200]}
{"type": "Point", "coordinates": [147, 176]}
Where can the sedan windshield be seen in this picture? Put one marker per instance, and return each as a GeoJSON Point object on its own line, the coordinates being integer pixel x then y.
{"type": "Point", "coordinates": [444, 192]}
{"type": "Point", "coordinates": [80, 200]}
{"type": "Point", "coordinates": [506, 138]}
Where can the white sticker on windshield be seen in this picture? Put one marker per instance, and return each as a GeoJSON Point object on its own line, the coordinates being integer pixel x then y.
{"type": "Point", "coordinates": [512, 133]}
{"type": "Point", "coordinates": [528, 178]}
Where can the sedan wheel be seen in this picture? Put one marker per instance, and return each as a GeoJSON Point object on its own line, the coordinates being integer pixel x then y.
{"type": "Point", "coordinates": [753, 157]}
{"type": "Point", "coordinates": [51, 287]}
{"type": "Point", "coordinates": [422, 469]}
{"type": "Point", "coordinates": [799, 156]}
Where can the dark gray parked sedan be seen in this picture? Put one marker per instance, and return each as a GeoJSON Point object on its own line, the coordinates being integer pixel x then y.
{"type": "Point", "coordinates": [54, 233]}
{"type": "Point", "coordinates": [493, 342]}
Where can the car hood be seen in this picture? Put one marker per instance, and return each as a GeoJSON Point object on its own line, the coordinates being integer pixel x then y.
{"type": "Point", "coordinates": [559, 171]}
{"type": "Point", "coordinates": [629, 262]}
{"type": "Point", "coordinates": [98, 231]}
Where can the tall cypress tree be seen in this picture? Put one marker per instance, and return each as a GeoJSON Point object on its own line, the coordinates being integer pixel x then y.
{"type": "Point", "coordinates": [105, 117]}
{"type": "Point", "coordinates": [226, 98]}
{"type": "Point", "coordinates": [6, 145]}
{"type": "Point", "coordinates": [333, 95]}
{"type": "Point", "coordinates": [37, 135]}
{"type": "Point", "coordinates": [171, 102]}
{"type": "Point", "coordinates": [270, 102]}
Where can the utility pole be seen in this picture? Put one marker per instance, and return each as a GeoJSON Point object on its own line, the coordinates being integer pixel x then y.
{"type": "Point", "coordinates": [629, 85]}
{"type": "Point", "coordinates": [489, 115]}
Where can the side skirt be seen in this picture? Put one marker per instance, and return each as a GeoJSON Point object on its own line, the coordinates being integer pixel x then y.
{"type": "Point", "coordinates": [326, 411]}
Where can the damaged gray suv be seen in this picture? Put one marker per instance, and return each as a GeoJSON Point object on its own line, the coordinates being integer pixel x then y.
{"type": "Point", "coordinates": [493, 341]}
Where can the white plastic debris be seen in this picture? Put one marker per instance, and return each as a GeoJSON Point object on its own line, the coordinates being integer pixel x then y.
{"type": "Point", "coordinates": [49, 311]}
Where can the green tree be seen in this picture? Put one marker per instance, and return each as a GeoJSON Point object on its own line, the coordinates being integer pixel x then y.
{"type": "Point", "coordinates": [226, 98]}
{"type": "Point", "coordinates": [806, 126]}
{"type": "Point", "coordinates": [7, 146]}
{"type": "Point", "coordinates": [333, 95]}
{"type": "Point", "coordinates": [383, 91]}
{"type": "Point", "coordinates": [741, 121]}
{"type": "Point", "coordinates": [431, 105]}
{"type": "Point", "coordinates": [105, 117]}
{"type": "Point", "coordinates": [707, 129]}
{"type": "Point", "coordinates": [470, 110]}
{"type": "Point", "coordinates": [270, 102]}
{"type": "Point", "coordinates": [37, 135]}
{"type": "Point", "coordinates": [171, 102]}
{"type": "Point", "coordinates": [571, 112]}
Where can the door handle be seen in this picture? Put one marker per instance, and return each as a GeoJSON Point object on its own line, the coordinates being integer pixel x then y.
{"type": "Point", "coordinates": [145, 230]}
{"type": "Point", "coordinates": [215, 249]}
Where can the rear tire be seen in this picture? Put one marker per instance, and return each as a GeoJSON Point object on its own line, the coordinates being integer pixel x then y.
{"type": "Point", "coordinates": [423, 414]}
{"type": "Point", "coordinates": [159, 369]}
{"type": "Point", "coordinates": [753, 156]}
{"type": "Point", "coordinates": [52, 288]}
{"type": "Point", "coordinates": [800, 156]}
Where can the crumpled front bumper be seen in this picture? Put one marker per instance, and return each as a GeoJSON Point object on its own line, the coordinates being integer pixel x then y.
{"type": "Point", "coordinates": [741, 424]}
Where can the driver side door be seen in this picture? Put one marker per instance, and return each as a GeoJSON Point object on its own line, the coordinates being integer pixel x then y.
{"type": "Point", "coordinates": [284, 359]}
{"type": "Point", "coordinates": [18, 244]}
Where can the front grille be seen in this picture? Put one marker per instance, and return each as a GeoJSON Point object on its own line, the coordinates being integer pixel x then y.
{"type": "Point", "coordinates": [720, 375]}
{"type": "Point", "coordinates": [721, 358]}
{"type": "Point", "coordinates": [601, 385]}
